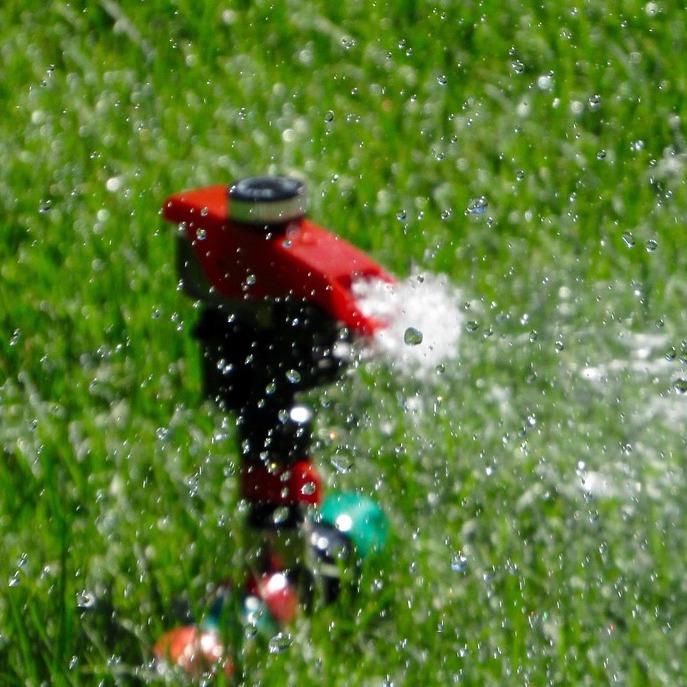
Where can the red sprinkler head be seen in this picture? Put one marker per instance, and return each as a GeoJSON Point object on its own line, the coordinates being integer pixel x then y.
{"type": "Point", "coordinates": [251, 242]}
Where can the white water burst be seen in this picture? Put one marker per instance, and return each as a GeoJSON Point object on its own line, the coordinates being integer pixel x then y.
{"type": "Point", "coordinates": [422, 316]}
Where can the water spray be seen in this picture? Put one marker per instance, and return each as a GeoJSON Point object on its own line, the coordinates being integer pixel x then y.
{"type": "Point", "coordinates": [279, 315]}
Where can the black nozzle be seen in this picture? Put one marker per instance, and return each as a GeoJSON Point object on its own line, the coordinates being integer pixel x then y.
{"type": "Point", "coordinates": [333, 553]}
{"type": "Point", "coordinates": [267, 201]}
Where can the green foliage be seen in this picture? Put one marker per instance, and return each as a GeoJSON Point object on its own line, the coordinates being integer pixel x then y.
{"type": "Point", "coordinates": [117, 485]}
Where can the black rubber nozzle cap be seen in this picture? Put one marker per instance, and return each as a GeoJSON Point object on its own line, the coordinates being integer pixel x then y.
{"type": "Point", "coordinates": [267, 200]}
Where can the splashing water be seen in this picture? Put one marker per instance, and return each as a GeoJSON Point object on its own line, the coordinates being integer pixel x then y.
{"type": "Point", "coordinates": [423, 320]}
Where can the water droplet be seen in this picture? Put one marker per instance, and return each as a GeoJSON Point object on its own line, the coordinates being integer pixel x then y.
{"type": "Point", "coordinates": [224, 367]}
{"type": "Point", "coordinates": [329, 116]}
{"type": "Point", "coordinates": [280, 515]}
{"type": "Point", "coordinates": [628, 239]}
{"type": "Point", "coordinates": [293, 376]}
{"type": "Point", "coordinates": [412, 336]}
{"type": "Point", "coordinates": [44, 206]}
{"type": "Point", "coordinates": [85, 599]}
{"type": "Point", "coordinates": [113, 184]}
{"type": "Point", "coordinates": [442, 79]}
{"type": "Point", "coordinates": [651, 246]}
{"type": "Point", "coordinates": [250, 279]}
{"type": "Point", "coordinates": [601, 155]}
{"type": "Point", "coordinates": [401, 215]}
{"type": "Point", "coordinates": [520, 174]}
{"type": "Point", "coordinates": [477, 206]}
{"type": "Point", "coordinates": [545, 82]}
{"type": "Point", "coordinates": [680, 386]}
{"type": "Point", "coordinates": [594, 101]}
{"type": "Point", "coordinates": [308, 489]}
{"type": "Point", "coordinates": [204, 212]}
{"type": "Point", "coordinates": [341, 464]}
{"type": "Point", "coordinates": [471, 326]}
{"type": "Point", "coordinates": [559, 345]}
{"type": "Point", "coordinates": [201, 234]}
{"type": "Point", "coordinates": [279, 643]}
{"type": "Point", "coordinates": [517, 66]}
{"type": "Point", "coordinates": [533, 336]}
{"type": "Point", "coordinates": [162, 433]}
{"type": "Point", "coordinates": [637, 145]}
{"type": "Point", "coordinates": [459, 563]}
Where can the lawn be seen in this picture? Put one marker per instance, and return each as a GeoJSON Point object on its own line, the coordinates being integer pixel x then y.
{"type": "Point", "coordinates": [535, 484]}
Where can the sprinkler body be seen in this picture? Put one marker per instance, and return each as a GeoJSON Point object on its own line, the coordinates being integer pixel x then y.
{"type": "Point", "coordinates": [278, 317]}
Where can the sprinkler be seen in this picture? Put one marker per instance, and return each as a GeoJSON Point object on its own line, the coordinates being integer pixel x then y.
{"type": "Point", "coordinates": [278, 318]}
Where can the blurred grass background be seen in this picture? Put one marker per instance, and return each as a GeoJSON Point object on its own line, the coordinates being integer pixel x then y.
{"type": "Point", "coordinates": [117, 486]}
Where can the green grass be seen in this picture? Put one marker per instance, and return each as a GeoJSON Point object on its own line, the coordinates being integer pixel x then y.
{"type": "Point", "coordinates": [117, 481]}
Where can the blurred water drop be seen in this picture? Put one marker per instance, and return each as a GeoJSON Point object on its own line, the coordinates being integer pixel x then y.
{"type": "Point", "coordinates": [280, 515]}
{"type": "Point", "coordinates": [85, 599]}
{"type": "Point", "coordinates": [44, 206]}
{"type": "Point", "coordinates": [293, 376]}
{"type": "Point", "coordinates": [545, 82]}
{"type": "Point", "coordinates": [201, 234]}
{"type": "Point", "coordinates": [517, 66]}
{"type": "Point", "coordinates": [412, 336]}
{"type": "Point", "coordinates": [559, 345]}
{"type": "Point", "coordinates": [279, 643]}
{"type": "Point", "coordinates": [594, 101]}
{"type": "Point", "coordinates": [520, 174]}
{"type": "Point", "coordinates": [628, 239]}
{"type": "Point", "coordinates": [471, 326]}
{"type": "Point", "coordinates": [651, 246]}
{"type": "Point", "coordinates": [442, 79]}
{"type": "Point", "coordinates": [329, 116]}
{"type": "Point", "coordinates": [341, 464]}
{"type": "Point", "coordinates": [459, 563]}
{"type": "Point", "coordinates": [401, 215]}
{"type": "Point", "coordinates": [224, 367]}
{"type": "Point", "coordinates": [114, 184]}
{"type": "Point", "coordinates": [477, 206]}
{"type": "Point", "coordinates": [680, 386]}
{"type": "Point", "coordinates": [308, 489]}
{"type": "Point", "coordinates": [601, 155]}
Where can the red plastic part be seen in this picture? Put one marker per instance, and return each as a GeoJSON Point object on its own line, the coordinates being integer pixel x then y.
{"type": "Point", "coordinates": [287, 485]}
{"type": "Point", "coordinates": [278, 594]}
{"type": "Point", "coordinates": [306, 262]}
{"type": "Point", "coordinates": [195, 651]}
